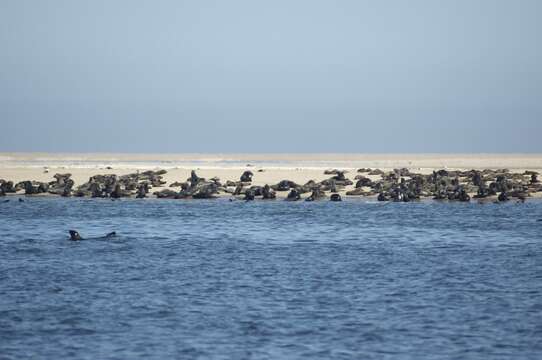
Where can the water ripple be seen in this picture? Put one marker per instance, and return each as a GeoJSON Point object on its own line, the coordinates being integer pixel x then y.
{"type": "Point", "coordinates": [221, 280]}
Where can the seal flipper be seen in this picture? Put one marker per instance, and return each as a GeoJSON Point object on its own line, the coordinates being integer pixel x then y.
{"type": "Point", "coordinates": [74, 235]}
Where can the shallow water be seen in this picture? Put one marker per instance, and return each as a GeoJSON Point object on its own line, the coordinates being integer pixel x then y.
{"type": "Point", "coordinates": [235, 280]}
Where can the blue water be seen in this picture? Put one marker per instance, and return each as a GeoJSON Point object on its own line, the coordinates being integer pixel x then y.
{"type": "Point", "coordinates": [270, 280]}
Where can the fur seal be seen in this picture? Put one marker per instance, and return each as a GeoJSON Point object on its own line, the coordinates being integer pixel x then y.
{"type": "Point", "coordinates": [74, 235]}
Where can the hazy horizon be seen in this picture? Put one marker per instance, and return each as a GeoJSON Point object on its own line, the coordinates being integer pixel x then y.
{"type": "Point", "coordinates": [150, 154]}
{"type": "Point", "coordinates": [351, 77]}
{"type": "Point", "coordinates": [270, 153]}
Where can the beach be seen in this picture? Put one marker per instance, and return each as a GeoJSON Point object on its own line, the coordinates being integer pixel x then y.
{"type": "Point", "coordinates": [267, 168]}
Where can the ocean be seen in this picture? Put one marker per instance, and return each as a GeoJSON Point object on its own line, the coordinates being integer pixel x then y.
{"type": "Point", "coordinates": [214, 279]}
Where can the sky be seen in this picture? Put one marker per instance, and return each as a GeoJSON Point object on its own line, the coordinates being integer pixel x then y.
{"type": "Point", "coordinates": [281, 76]}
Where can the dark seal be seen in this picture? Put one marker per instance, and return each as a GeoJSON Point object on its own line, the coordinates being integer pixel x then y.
{"type": "Point", "coordinates": [74, 235]}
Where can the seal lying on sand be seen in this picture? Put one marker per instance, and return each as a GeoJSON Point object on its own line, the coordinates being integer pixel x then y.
{"type": "Point", "coordinates": [74, 235]}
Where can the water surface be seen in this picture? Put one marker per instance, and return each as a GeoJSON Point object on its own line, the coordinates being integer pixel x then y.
{"type": "Point", "coordinates": [259, 280]}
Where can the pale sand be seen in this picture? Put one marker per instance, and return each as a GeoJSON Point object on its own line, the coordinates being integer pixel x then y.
{"type": "Point", "coordinates": [299, 168]}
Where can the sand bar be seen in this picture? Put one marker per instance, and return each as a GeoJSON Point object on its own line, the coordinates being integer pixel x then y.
{"type": "Point", "coordinates": [299, 168]}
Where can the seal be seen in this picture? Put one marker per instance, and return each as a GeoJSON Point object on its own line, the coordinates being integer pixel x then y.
{"type": "Point", "coordinates": [74, 235]}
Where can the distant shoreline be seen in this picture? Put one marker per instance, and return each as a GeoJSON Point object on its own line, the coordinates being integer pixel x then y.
{"type": "Point", "coordinates": [269, 169]}
{"type": "Point", "coordinates": [278, 161]}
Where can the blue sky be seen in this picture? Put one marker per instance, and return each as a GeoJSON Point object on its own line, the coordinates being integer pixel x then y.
{"type": "Point", "coordinates": [271, 76]}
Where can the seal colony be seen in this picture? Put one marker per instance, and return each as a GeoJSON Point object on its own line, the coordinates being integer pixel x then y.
{"type": "Point", "coordinates": [398, 185]}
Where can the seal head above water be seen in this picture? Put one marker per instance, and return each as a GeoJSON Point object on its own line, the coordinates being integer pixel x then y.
{"type": "Point", "coordinates": [74, 235]}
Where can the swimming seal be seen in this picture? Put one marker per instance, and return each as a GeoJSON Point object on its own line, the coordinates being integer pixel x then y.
{"type": "Point", "coordinates": [74, 235]}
